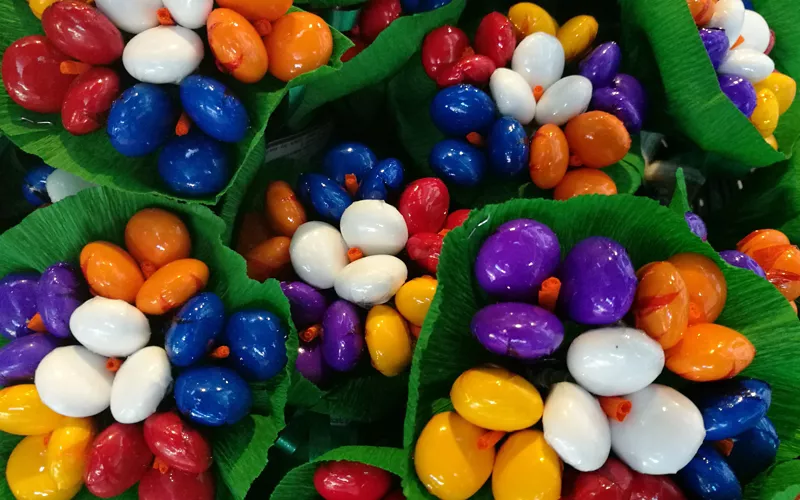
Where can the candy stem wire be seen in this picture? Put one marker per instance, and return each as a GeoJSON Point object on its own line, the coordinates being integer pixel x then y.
{"type": "Point", "coordinates": [113, 364]}
{"type": "Point", "coordinates": [415, 330]}
{"type": "Point", "coordinates": [443, 232]}
{"type": "Point", "coordinates": [164, 17]}
{"type": "Point", "coordinates": [148, 268]}
{"type": "Point", "coordinates": [311, 333]}
{"type": "Point", "coordinates": [73, 67]}
{"type": "Point", "coordinates": [354, 254]}
{"type": "Point", "coordinates": [548, 293]}
{"type": "Point", "coordinates": [615, 407]}
{"type": "Point", "coordinates": [575, 161]}
{"type": "Point", "coordinates": [468, 52]}
{"type": "Point", "coordinates": [475, 139]}
{"type": "Point", "coordinates": [160, 466]}
{"type": "Point", "coordinates": [725, 446]}
{"type": "Point", "coordinates": [37, 324]}
{"type": "Point", "coordinates": [351, 184]}
{"type": "Point", "coordinates": [738, 42]}
{"type": "Point", "coordinates": [538, 92]}
{"type": "Point", "coordinates": [263, 27]}
{"type": "Point", "coordinates": [490, 439]}
{"type": "Point", "coordinates": [221, 352]}
{"type": "Point", "coordinates": [184, 125]}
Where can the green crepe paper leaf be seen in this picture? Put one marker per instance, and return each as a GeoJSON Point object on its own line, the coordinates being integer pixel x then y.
{"type": "Point", "coordinates": [298, 484]}
{"type": "Point", "coordinates": [93, 158]}
{"type": "Point", "coordinates": [680, 199]}
{"type": "Point", "coordinates": [327, 4]}
{"type": "Point", "coordinates": [649, 232]}
{"type": "Point", "coordinates": [662, 48]}
{"type": "Point", "coordinates": [381, 59]}
{"type": "Point", "coordinates": [58, 232]}
{"type": "Point", "coordinates": [782, 482]}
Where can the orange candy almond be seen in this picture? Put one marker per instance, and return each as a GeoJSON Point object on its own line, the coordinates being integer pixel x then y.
{"type": "Point", "coordinates": [584, 181]}
{"type": "Point", "coordinates": [282, 209]}
{"type": "Point", "coordinates": [236, 45]}
{"type": "Point", "coordinates": [661, 306]}
{"type": "Point", "coordinates": [710, 352]}
{"type": "Point", "coordinates": [110, 271]}
{"type": "Point", "coordinates": [706, 286]}
{"type": "Point", "coordinates": [597, 139]}
{"type": "Point", "coordinates": [155, 237]}
{"type": "Point", "coordinates": [268, 259]}
{"type": "Point", "coordinates": [300, 42]}
{"type": "Point", "coordinates": [171, 286]}
{"type": "Point", "coordinates": [549, 156]}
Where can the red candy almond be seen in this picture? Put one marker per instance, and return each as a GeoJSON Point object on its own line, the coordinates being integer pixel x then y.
{"type": "Point", "coordinates": [475, 70]}
{"type": "Point", "coordinates": [32, 75]}
{"type": "Point", "coordinates": [82, 32]}
{"type": "Point", "coordinates": [177, 444]}
{"type": "Point", "coordinates": [495, 38]}
{"type": "Point", "coordinates": [612, 481]}
{"type": "Point", "coordinates": [442, 48]}
{"type": "Point", "coordinates": [424, 205]}
{"type": "Point", "coordinates": [176, 485]}
{"type": "Point", "coordinates": [456, 218]}
{"type": "Point", "coordinates": [345, 480]}
{"type": "Point", "coordinates": [88, 100]}
{"type": "Point", "coordinates": [424, 249]}
{"type": "Point", "coordinates": [118, 458]}
{"type": "Point", "coordinates": [376, 16]}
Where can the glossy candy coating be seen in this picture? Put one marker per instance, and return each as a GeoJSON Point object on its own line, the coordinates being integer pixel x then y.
{"type": "Point", "coordinates": [140, 385]}
{"type": "Point", "coordinates": [619, 105]}
{"type": "Point", "coordinates": [253, 230]}
{"type": "Point", "coordinates": [176, 443]}
{"type": "Point", "coordinates": [549, 156]}
{"type": "Point", "coordinates": [324, 195]}
{"type": "Point", "coordinates": [307, 304]}
{"type": "Point", "coordinates": [710, 352]}
{"type": "Point", "coordinates": [564, 100]}
{"type": "Point", "coordinates": [236, 45]}
{"type": "Point", "coordinates": [744, 261]}
{"type": "Point", "coordinates": [345, 480]}
{"type": "Point", "coordinates": [507, 147]}
{"type": "Point", "coordinates": [761, 239]}
{"type": "Point", "coordinates": [348, 158]}
{"type": "Point", "coordinates": [612, 481]}
{"type": "Point", "coordinates": [133, 17]}
{"type": "Point", "coordinates": [68, 451]}
{"type": "Point", "coordinates": [495, 38]}
{"type": "Point", "coordinates": [110, 327]}
{"type": "Point", "coordinates": [371, 280]}
{"type": "Point", "coordinates": [212, 395]}
{"type": "Point", "coordinates": [164, 54]}
{"type": "Point", "coordinates": [459, 162]}
{"type": "Point", "coordinates": [765, 115]}
{"type": "Point", "coordinates": [171, 286]}
{"type": "Point", "coordinates": [598, 282]}
{"type": "Point", "coordinates": [425, 249]}
{"type": "Point", "coordinates": [601, 65]}
{"type": "Point", "coordinates": [784, 87]}
{"type": "Point", "coordinates": [696, 225]}
{"type": "Point", "coordinates": [141, 120]}
{"type": "Point", "coordinates": [375, 16]}
{"type": "Point", "coordinates": [282, 208]}
{"type": "Point", "coordinates": [662, 432]}
{"type": "Point", "coordinates": [388, 340]}
{"type": "Point", "coordinates": [74, 382]}
{"type": "Point", "coordinates": [647, 487]}
{"type": "Point", "coordinates": [494, 398]}
{"type": "Point", "coordinates": [194, 165]}
{"type": "Point", "coordinates": [31, 74]}
{"type": "Point", "coordinates": [614, 361]}
{"type": "Point", "coordinates": [20, 357]}
{"type": "Point", "coordinates": [539, 58]}
{"type": "Point", "coordinates": [747, 63]}
{"type": "Point", "coordinates": [708, 476]}
{"type": "Point", "coordinates": [456, 218]}
{"type": "Point", "coordinates": [740, 91]}
{"type": "Point", "coordinates": [512, 95]}
{"type": "Point", "coordinates": [632, 89]}
{"type": "Point", "coordinates": [728, 15]}
{"type": "Point", "coordinates": [517, 330]}
{"type": "Point", "coordinates": [190, 14]}
{"type": "Point", "coordinates": [214, 108]}
{"type": "Point", "coordinates": [375, 227]}
{"type": "Point", "coordinates": [61, 184]}
{"type": "Point", "coordinates": [755, 31]}
{"type": "Point", "coordinates": [34, 187]}
{"type": "Point", "coordinates": [27, 474]}
{"type": "Point", "coordinates": [526, 467]}
{"type": "Point", "coordinates": [257, 341]}
{"type": "Point", "coordinates": [424, 205]}
{"type": "Point", "coordinates": [733, 406]}
{"type": "Point", "coordinates": [471, 69]}
{"type": "Point", "coordinates": [176, 485]}
{"type": "Point", "coordinates": [269, 259]}
{"type": "Point", "coordinates": [576, 427]}
{"type": "Point", "coordinates": [60, 291]}
{"type": "Point", "coordinates": [23, 413]}
{"type": "Point", "coordinates": [447, 458]}
{"type": "Point", "coordinates": [82, 32]}
{"type": "Point", "coordinates": [118, 458]}
{"type": "Point", "coordinates": [716, 44]}
{"type": "Point", "coordinates": [110, 271]}
{"type": "Point", "coordinates": [705, 284]}
{"type": "Point", "coordinates": [342, 336]}
{"type": "Point", "coordinates": [597, 139]}
{"type": "Point", "coordinates": [194, 329]}
{"type": "Point", "coordinates": [517, 258]}
{"type": "Point", "coordinates": [300, 42]}
{"type": "Point", "coordinates": [702, 10]}
{"type": "Point", "coordinates": [577, 35]}
{"type": "Point", "coordinates": [661, 306]}
{"type": "Point", "coordinates": [310, 363]}
{"type": "Point", "coordinates": [414, 299]}
{"type": "Point", "coordinates": [462, 109]}
{"type": "Point", "coordinates": [258, 9]}
{"type": "Point", "coordinates": [416, 6]}
{"type": "Point", "coordinates": [156, 237]}
{"type": "Point", "coordinates": [441, 48]}
{"type": "Point", "coordinates": [88, 100]}
{"type": "Point", "coordinates": [17, 303]}
{"type": "Point", "coordinates": [528, 18]}
{"type": "Point", "coordinates": [381, 181]}
{"type": "Point", "coordinates": [318, 254]}
{"type": "Point", "coordinates": [754, 450]}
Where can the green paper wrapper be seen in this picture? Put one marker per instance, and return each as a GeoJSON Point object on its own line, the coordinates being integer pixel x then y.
{"type": "Point", "coordinates": [58, 233]}
{"type": "Point", "coordinates": [93, 158]}
{"type": "Point", "coordinates": [649, 232]}
{"type": "Point", "coordinates": [661, 47]}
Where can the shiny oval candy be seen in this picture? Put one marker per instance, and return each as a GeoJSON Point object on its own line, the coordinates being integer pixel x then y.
{"type": "Point", "coordinates": [716, 44]}
{"type": "Point", "coordinates": [447, 458]}
{"type": "Point", "coordinates": [346, 480]}
{"type": "Point", "coordinates": [540, 59]}
{"type": "Point", "coordinates": [743, 261]}
{"type": "Point", "coordinates": [27, 474]}
{"type": "Point", "coordinates": [89, 99]}
{"type": "Point", "coordinates": [352, 158]}
{"type": "Point", "coordinates": [495, 38]}
{"type": "Point", "coordinates": [517, 330]}
{"type": "Point", "coordinates": [110, 327]}
{"type": "Point", "coordinates": [706, 286]}
{"type": "Point", "coordinates": [269, 259]}
{"type": "Point", "coordinates": [782, 266]}
{"type": "Point", "coordinates": [257, 342]}
{"type": "Point", "coordinates": [310, 363]}
{"type": "Point", "coordinates": [761, 239]}
{"type": "Point", "coordinates": [414, 299]}
{"type": "Point", "coordinates": [300, 42]}
{"type": "Point", "coordinates": [507, 147]}
{"type": "Point", "coordinates": [462, 109]}
{"type": "Point", "coordinates": [156, 237]}
{"type": "Point", "coordinates": [23, 413]}
{"type": "Point", "coordinates": [602, 64]}
{"type": "Point", "coordinates": [371, 280]}
{"type": "Point", "coordinates": [176, 443]}
{"type": "Point", "coordinates": [618, 104]}
{"type": "Point", "coordinates": [175, 483]}
{"type": "Point", "coordinates": [661, 306]}
{"type": "Point", "coordinates": [740, 91]}
{"type": "Point", "coordinates": [612, 481]}
{"type": "Point", "coordinates": [194, 165]}
{"type": "Point", "coordinates": [598, 282]}
{"type": "Point", "coordinates": [385, 179]}
{"type": "Point", "coordinates": [457, 161]}
{"type": "Point", "coordinates": [68, 451]}
{"type": "Point", "coordinates": [747, 63]}
{"type": "Point", "coordinates": [784, 87]}
{"type": "Point", "coordinates": [564, 100]}
{"type": "Point", "coordinates": [710, 352]}
{"type": "Point", "coordinates": [32, 76]}
{"type": "Point", "coordinates": [696, 225]}
{"type": "Point", "coordinates": [597, 139]}
{"type": "Point", "coordinates": [754, 450]}
{"type": "Point", "coordinates": [755, 32]}
{"type": "Point", "coordinates": [549, 156]}
{"type": "Point", "coordinates": [118, 458]}
{"type": "Point", "coordinates": [662, 432]}
{"type": "Point", "coordinates": [34, 187]}
{"type": "Point", "coordinates": [141, 120]}
{"type": "Point", "coordinates": [442, 48]}
{"type": "Point", "coordinates": [74, 382]}
{"type": "Point", "coordinates": [282, 208]}
{"type": "Point", "coordinates": [140, 385]}
{"type": "Point", "coordinates": [20, 357]}
{"type": "Point", "coordinates": [171, 286]}
{"type": "Point", "coordinates": [702, 10]}
{"type": "Point", "coordinates": [307, 304]}
{"type": "Point", "coordinates": [576, 427]}
{"type": "Point", "coordinates": [82, 32]}
{"type": "Point", "coordinates": [529, 18]}
{"type": "Point", "coordinates": [212, 395]}
{"type": "Point", "coordinates": [375, 17]}
{"type": "Point", "coordinates": [318, 254]}
{"type": "Point", "coordinates": [214, 108]}
{"type": "Point", "coordinates": [526, 465]}
{"type": "Point", "coordinates": [631, 88]}
{"type": "Point", "coordinates": [18, 305]}
{"type": "Point", "coordinates": [765, 116]}
{"type": "Point", "coordinates": [728, 15]}
{"type": "Point", "coordinates": [424, 249]}
{"type": "Point", "coordinates": [342, 336]}
{"type": "Point", "coordinates": [256, 9]}
{"type": "Point", "coordinates": [190, 14]}
{"type": "Point", "coordinates": [375, 227]}
{"type": "Point", "coordinates": [236, 45]}
{"type": "Point", "coordinates": [505, 271]}
{"type": "Point", "coordinates": [733, 406]}
{"type": "Point", "coordinates": [424, 205]}
{"type": "Point", "coordinates": [576, 35]}
{"type": "Point", "coordinates": [709, 476]}
{"type": "Point", "coordinates": [61, 184]}
{"type": "Point", "coordinates": [614, 361]}
{"type": "Point", "coordinates": [327, 198]}
{"type": "Point", "coordinates": [583, 181]}
{"type": "Point", "coordinates": [164, 54]}
{"type": "Point", "coordinates": [388, 340]}
{"type": "Point", "coordinates": [131, 16]}
{"type": "Point", "coordinates": [194, 329]}
{"type": "Point", "coordinates": [494, 398]}
{"type": "Point", "coordinates": [512, 95]}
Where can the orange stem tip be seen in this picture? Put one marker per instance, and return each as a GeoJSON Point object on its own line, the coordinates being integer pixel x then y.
{"type": "Point", "coordinates": [354, 254]}
{"type": "Point", "coordinates": [311, 333]}
{"type": "Point", "coordinates": [575, 161]}
{"type": "Point", "coordinates": [263, 27]}
{"type": "Point", "coordinates": [221, 352]}
{"type": "Point", "coordinates": [160, 466]}
{"type": "Point", "coordinates": [490, 439]}
{"type": "Point", "coordinates": [73, 67]}
{"type": "Point", "coordinates": [351, 184]}
{"type": "Point", "coordinates": [695, 315]}
{"type": "Point", "coordinates": [548, 293]}
{"type": "Point", "coordinates": [184, 125]}
{"type": "Point", "coordinates": [415, 330]}
{"type": "Point", "coordinates": [37, 324]}
{"type": "Point", "coordinates": [738, 42]}
{"type": "Point", "coordinates": [724, 446]}
{"type": "Point", "coordinates": [164, 17]}
{"type": "Point", "coordinates": [444, 232]}
{"type": "Point", "coordinates": [148, 268]}
{"type": "Point", "coordinates": [113, 364]}
{"type": "Point", "coordinates": [475, 139]}
{"type": "Point", "coordinates": [47, 438]}
{"type": "Point", "coordinates": [615, 407]}
{"type": "Point", "coordinates": [538, 92]}
{"type": "Point", "coordinates": [468, 52]}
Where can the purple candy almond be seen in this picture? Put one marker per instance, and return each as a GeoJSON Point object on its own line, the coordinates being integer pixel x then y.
{"type": "Point", "coordinates": [17, 304]}
{"type": "Point", "coordinates": [61, 290]}
{"type": "Point", "coordinates": [307, 303]}
{"type": "Point", "coordinates": [740, 91]}
{"type": "Point", "coordinates": [616, 103]}
{"type": "Point", "coordinates": [342, 336]}
{"type": "Point", "coordinates": [716, 43]}
{"type": "Point", "coordinates": [20, 357]}
{"type": "Point", "coordinates": [310, 363]}
{"type": "Point", "coordinates": [744, 261]}
{"type": "Point", "coordinates": [601, 65]}
{"type": "Point", "coordinates": [518, 330]}
{"type": "Point", "coordinates": [696, 224]}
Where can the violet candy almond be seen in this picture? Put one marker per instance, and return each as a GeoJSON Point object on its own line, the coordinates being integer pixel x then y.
{"type": "Point", "coordinates": [20, 357]}
{"type": "Point", "coordinates": [518, 330]}
{"type": "Point", "coordinates": [740, 91]}
{"type": "Point", "coordinates": [61, 290]}
{"type": "Point", "coordinates": [716, 43]}
{"type": "Point", "coordinates": [744, 261]}
{"type": "Point", "coordinates": [307, 303]}
{"type": "Point", "coordinates": [17, 304]}
{"type": "Point", "coordinates": [632, 89]}
{"type": "Point", "coordinates": [310, 363]}
{"type": "Point", "coordinates": [601, 65]}
{"type": "Point", "coordinates": [696, 225]}
{"type": "Point", "coordinates": [618, 104]}
{"type": "Point", "coordinates": [342, 336]}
